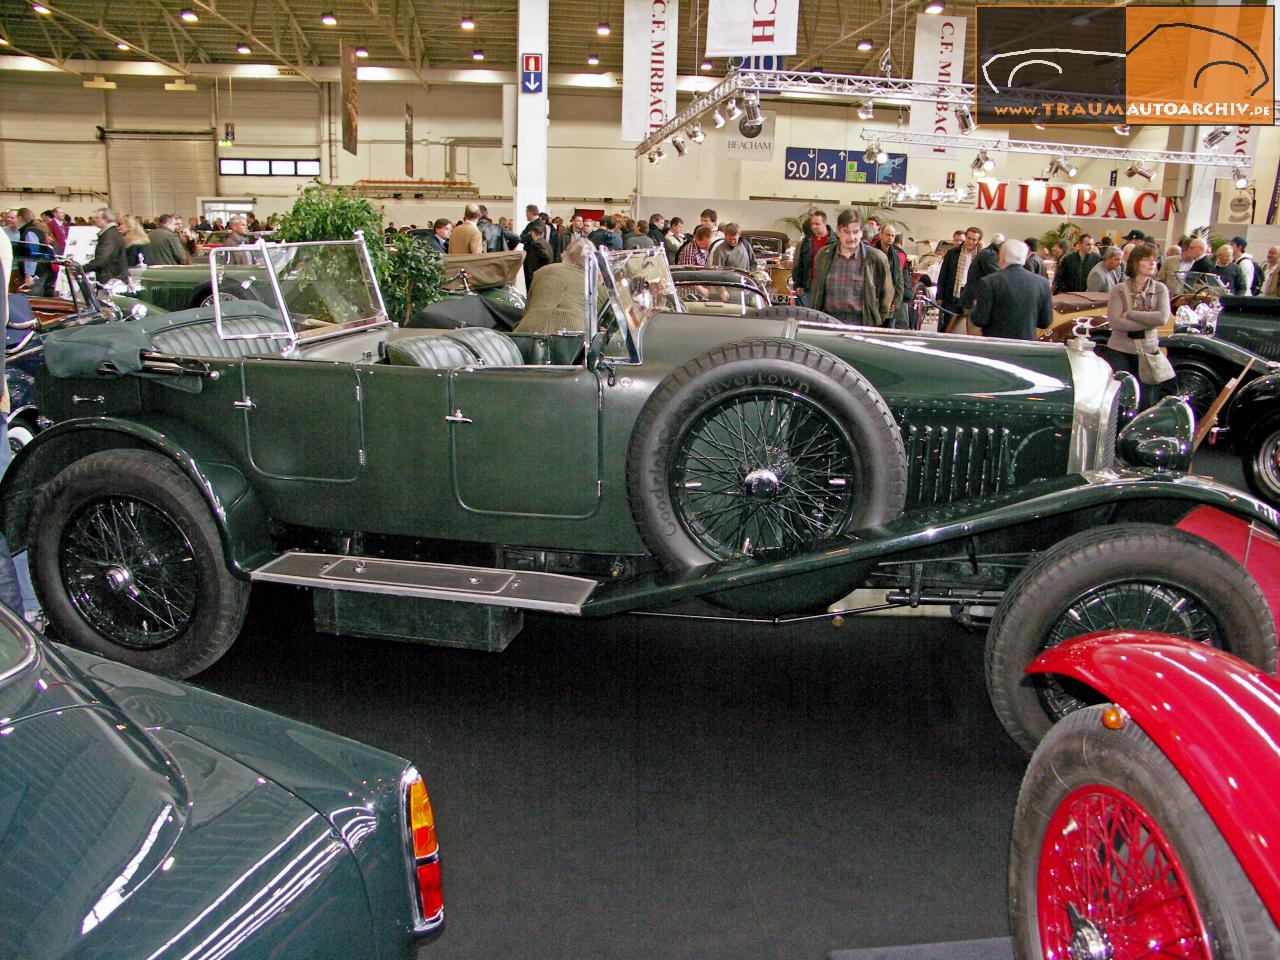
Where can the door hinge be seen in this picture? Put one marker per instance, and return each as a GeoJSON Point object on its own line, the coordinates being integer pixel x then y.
{"type": "Point", "coordinates": [361, 457]}
{"type": "Point", "coordinates": [245, 404]}
{"type": "Point", "coordinates": [457, 417]}
{"type": "Point", "coordinates": [357, 393]}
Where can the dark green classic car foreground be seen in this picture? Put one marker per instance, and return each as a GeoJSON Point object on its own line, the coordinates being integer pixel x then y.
{"type": "Point", "coordinates": [144, 818]}
{"type": "Point", "coordinates": [432, 485]}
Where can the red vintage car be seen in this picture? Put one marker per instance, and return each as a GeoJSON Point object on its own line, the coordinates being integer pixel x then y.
{"type": "Point", "coordinates": [1148, 824]}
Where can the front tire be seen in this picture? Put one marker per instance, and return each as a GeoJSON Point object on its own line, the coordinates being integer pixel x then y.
{"type": "Point", "coordinates": [128, 564]}
{"type": "Point", "coordinates": [1198, 385]}
{"type": "Point", "coordinates": [1110, 846]}
{"type": "Point", "coordinates": [1260, 459]}
{"type": "Point", "coordinates": [1124, 577]}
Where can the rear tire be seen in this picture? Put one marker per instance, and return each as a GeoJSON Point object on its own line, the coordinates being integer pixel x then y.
{"type": "Point", "coordinates": [128, 564]}
{"type": "Point", "coordinates": [1125, 577]}
{"type": "Point", "coordinates": [789, 312]}
{"type": "Point", "coordinates": [1260, 459]}
{"type": "Point", "coordinates": [1087, 782]}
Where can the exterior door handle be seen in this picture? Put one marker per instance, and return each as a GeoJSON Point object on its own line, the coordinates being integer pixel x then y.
{"type": "Point", "coordinates": [76, 398]}
{"type": "Point", "coordinates": [245, 404]}
{"type": "Point", "coordinates": [457, 417]}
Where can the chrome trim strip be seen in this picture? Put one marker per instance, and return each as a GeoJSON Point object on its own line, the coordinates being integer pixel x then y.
{"type": "Point", "coordinates": [23, 632]}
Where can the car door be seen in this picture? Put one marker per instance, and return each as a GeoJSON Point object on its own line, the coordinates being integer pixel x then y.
{"type": "Point", "coordinates": [525, 440]}
{"type": "Point", "coordinates": [302, 419]}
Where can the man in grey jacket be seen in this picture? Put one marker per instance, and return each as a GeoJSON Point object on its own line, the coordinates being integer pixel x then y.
{"type": "Point", "coordinates": [1106, 273]}
{"type": "Point", "coordinates": [732, 252]}
{"type": "Point", "coordinates": [163, 245]}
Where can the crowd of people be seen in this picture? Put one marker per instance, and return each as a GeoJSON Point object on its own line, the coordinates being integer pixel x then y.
{"type": "Point", "coordinates": [123, 241]}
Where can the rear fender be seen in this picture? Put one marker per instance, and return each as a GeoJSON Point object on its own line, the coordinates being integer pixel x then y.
{"type": "Point", "coordinates": [1216, 719]}
{"type": "Point", "coordinates": [239, 517]}
{"type": "Point", "coordinates": [1248, 542]}
{"type": "Point", "coordinates": [1223, 356]}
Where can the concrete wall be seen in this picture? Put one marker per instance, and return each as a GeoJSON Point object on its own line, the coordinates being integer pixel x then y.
{"type": "Point", "coordinates": [48, 138]}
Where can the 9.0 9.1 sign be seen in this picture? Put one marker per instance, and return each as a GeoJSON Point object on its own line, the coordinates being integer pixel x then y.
{"type": "Point", "coordinates": [843, 166]}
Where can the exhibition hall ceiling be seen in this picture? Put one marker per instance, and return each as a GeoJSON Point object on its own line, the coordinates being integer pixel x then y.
{"type": "Point", "coordinates": [842, 36]}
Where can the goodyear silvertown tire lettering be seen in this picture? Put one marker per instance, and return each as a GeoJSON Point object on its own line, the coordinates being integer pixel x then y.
{"type": "Point", "coordinates": [128, 564]}
{"type": "Point", "coordinates": [759, 447]}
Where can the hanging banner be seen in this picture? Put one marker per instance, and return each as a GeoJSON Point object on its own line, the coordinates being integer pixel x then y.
{"type": "Point", "coordinates": [749, 28]}
{"type": "Point", "coordinates": [408, 141]}
{"type": "Point", "coordinates": [650, 35]}
{"type": "Point", "coordinates": [350, 98]}
{"type": "Point", "coordinates": [747, 143]}
{"type": "Point", "coordinates": [1073, 201]}
{"type": "Point", "coordinates": [939, 58]}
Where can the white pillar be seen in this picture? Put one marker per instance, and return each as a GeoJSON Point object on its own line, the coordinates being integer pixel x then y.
{"type": "Point", "coordinates": [531, 111]}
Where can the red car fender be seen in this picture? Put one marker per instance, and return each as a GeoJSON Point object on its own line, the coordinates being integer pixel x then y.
{"type": "Point", "coordinates": [1250, 544]}
{"type": "Point", "coordinates": [1215, 718]}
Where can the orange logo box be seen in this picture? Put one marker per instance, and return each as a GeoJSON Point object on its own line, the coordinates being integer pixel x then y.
{"type": "Point", "coordinates": [1200, 65]}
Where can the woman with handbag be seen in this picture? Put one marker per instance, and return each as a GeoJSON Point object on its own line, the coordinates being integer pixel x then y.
{"type": "Point", "coordinates": [1137, 307]}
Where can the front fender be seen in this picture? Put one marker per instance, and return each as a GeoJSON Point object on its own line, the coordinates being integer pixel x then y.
{"type": "Point", "coordinates": [236, 511]}
{"type": "Point", "coordinates": [1255, 404]}
{"type": "Point", "coordinates": [1216, 719]}
{"type": "Point", "coordinates": [1223, 356]}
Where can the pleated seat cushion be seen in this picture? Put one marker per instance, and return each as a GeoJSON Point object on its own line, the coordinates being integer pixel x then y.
{"type": "Point", "coordinates": [202, 340]}
{"type": "Point", "coordinates": [437, 352]}
{"type": "Point", "coordinates": [490, 347]}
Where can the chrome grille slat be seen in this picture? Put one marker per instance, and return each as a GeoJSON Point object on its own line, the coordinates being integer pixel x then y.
{"type": "Point", "coordinates": [949, 463]}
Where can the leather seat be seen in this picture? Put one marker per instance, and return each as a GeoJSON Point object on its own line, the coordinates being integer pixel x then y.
{"type": "Point", "coordinates": [489, 347]}
{"type": "Point", "coordinates": [436, 352]}
{"type": "Point", "coordinates": [202, 340]}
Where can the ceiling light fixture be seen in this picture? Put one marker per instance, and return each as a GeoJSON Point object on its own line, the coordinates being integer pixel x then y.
{"type": "Point", "coordinates": [592, 59]}
{"type": "Point", "coordinates": [603, 29]}
{"type": "Point", "coordinates": [243, 48]}
{"type": "Point", "coordinates": [983, 162]}
{"type": "Point", "coordinates": [706, 65]}
{"type": "Point", "coordinates": [677, 143]}
{"type": "Point", "coordinates": [934, 8]}
{"type": "Point", "coordinates": [1123, 129]}
{"type": "Point", "coordinates": [1140, 168]}
{"type": "Point", "coordinates": [41, 9]}
{"type": "Point", "coordinates": [1241, 178]}
{"type": "Point", "coordinates": [964, 118]}
{"type": "Point", "coordinates": [694, 132]}
{"type": "Point", "coordinates": [188, 16]}
{"type": "Point", "coordinates": [875, 154]}
{"type": "Point", "coordinates": [328, 19]}
{"type": "Point", "coordinates": [866, 110]}
{"type": "Point", "coordinates": [466, 23]}
{"type": "Point", "coordinates": [865, 45]}
{"type": "Point", "coordinates": [733, 111]}
{"type": "Point", "coordinates": [477, 54]}
{"type": "Point", "coordinates": [717, 118]}
{"type": "Point", "coordinates": [1060, 164]}
{"type": "Point", "coordinates": [122, 46]}
{"type": "Point", "coordinates": [657, 155]}
{"type": "Point", "coordinates": [361, 52]}
{"type": "Point", "coordinates": [1038, 126]}
{"type": "Point", "coordinates": [1215, 137]}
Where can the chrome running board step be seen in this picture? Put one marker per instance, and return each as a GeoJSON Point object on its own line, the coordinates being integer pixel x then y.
{"type": "Point", "coordinates": [526, 589]}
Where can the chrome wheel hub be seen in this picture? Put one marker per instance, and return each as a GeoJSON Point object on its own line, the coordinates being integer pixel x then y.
{"type": "Point", "coordinates": [762, 484]}
{"type": "Point", "coordinates": [1088, 942]}
{"type": "Point", "coordinates": [120, 580]}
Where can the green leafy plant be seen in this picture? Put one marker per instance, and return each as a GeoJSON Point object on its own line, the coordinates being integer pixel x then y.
{"type": "Point", "coordinates": [1065, 233]}
{"type": "Point", "coordinates": [409, 270]}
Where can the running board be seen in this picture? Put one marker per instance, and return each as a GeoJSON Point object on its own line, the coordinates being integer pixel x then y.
{"type": "Point", "coordinates": [526, 589]}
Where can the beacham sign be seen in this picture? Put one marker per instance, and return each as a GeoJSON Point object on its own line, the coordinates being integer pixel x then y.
{"type": "Point", "coordinates": [1073, 200]}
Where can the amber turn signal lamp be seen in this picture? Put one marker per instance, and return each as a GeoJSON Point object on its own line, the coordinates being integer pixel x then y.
{"type": "Point", "coordinates": [425, 850]}
{"type": "Point", "coordinates": [421, 821]}
{"type": "Point", "coordinates": [1113, 718]}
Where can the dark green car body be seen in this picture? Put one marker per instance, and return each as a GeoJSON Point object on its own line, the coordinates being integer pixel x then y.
{"type": "Point", "coordinates": [147, 818]}
{"type": "Point", "coordinates": [1208, 352]}
{"type": "Point", "coordinates": [432, 485]}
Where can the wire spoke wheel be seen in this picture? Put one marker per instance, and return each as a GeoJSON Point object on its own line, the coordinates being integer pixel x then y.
{"type": "Point", "coordinates": [1266, 464]}
{"type": "Point", "coordinates": [1127, 605]}
{"type": "Point", "coordinates": [1111, 886]}
{"type": "Point", "coordinates": [763, 470]}
{"type": "Point", "coordinates": [130, 572]}
{"type": "Point", "coordinates": [1197, 388]}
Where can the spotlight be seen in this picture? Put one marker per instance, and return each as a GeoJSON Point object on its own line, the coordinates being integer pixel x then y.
{"type": "Point", "coordinates": [361, 52]}
{"type": "Point", "coordinates": [882, 155]}
{"type": "Point", "coordinates": [1140, 169]}
{"type": "Point", "coordinates": [705, 65]}
{"type": "Point", "coordinates": [865, 45]}
{"type": "Point", "coordinates": [328, 19]}
{"type": "Point", "coordinates": [964, 118]}
{"type": "Point", "coordinates": [866, 110]}
{"type": "Point", "coordinates": [1071, 168]}
{"type": "Point", "coordinates": [717, 118]}
{"type": "Point", "coordinates": [1215, 137]}
{"type": "Point", "coordinates": [41, 9]}
{"type": "Point", "coordinates": [677, 142]}
{"type": "Point", "coordinates": [657, 155]}
{"type": "Point", "coordinates": [751, 104]}
{"type": "Point", "coordinates": [1123, 129]}
{"type": "Point", "coordinates": [694, 132]}
{"type": "Point", "coordinates": [466, 23]}
{"type": "Point", "coordinates": [122, 46]}
{"type": "Point", "coordinates": [1060, 164]}
{"type": "Point", "coordinates": [934, 8]}
{"type": "Point", "coordinates": [592, 59]}
{"type": "Point", "coordinates": [188, 16]}
{"type": "Point", "coordinates": [1241, 178]}
{"type": "Point", "coordinates": [733, 111]}
{"type": "Point", "coordinates": [869, 155]}
{"type": "Point", "coordinates": [603, 29]}
{"type": "Point", "coordinates": [983, 162]}
{"type": "Point", "coordinates": [477, 54]}
{"type": "Point", "coordinates": [243, 48]}
{"type": "Point", "coordinates": [1038, 126]}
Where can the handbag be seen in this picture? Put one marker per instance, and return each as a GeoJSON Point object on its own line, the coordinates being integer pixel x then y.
{"type": "Point", "coordinates": [1153, 366]}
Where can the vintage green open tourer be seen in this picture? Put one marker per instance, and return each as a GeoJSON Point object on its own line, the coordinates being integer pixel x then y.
{"type": "Point", "coordinates": [430, 485]}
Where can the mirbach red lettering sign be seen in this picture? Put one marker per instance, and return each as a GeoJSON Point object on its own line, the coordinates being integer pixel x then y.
{"type": "Point", "coordinates": [1073, 201]}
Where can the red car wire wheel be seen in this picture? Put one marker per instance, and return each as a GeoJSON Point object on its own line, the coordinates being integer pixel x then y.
{"type": "Point", "coordinates": [1111, 886]}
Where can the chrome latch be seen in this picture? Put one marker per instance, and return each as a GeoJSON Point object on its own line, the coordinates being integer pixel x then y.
{"type": "Point", "coordinates": [245, 404]}
{"type": "Point", "coordinates": [457, 417]}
